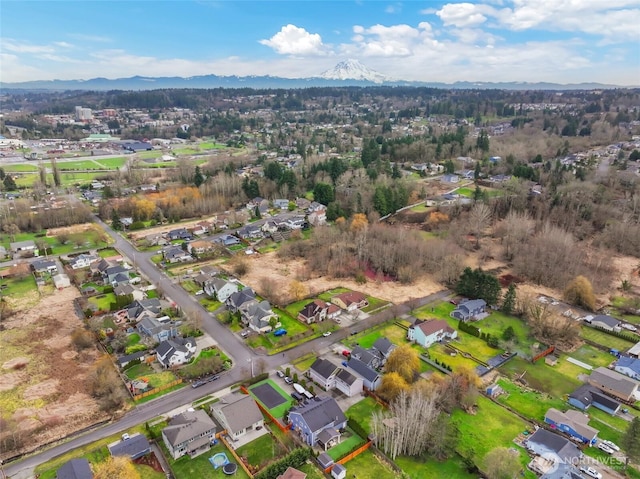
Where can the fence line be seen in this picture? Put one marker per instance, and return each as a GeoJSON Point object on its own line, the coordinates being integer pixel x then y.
{"type": "Point", "coordinates": [137, 397]}
{"type": "Point", "coordinates": [350, 456]}
{"type": "Point", "coordinates": [240, 461]}
{"type": "Point", "coordinates": [284, 429]}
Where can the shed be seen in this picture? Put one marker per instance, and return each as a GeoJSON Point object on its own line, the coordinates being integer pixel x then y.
{"type": "Point", "coordinates": [338, 471]}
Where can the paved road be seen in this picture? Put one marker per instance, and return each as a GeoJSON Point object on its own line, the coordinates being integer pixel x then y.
{"type": "Point", "coordinates": [244, 358]}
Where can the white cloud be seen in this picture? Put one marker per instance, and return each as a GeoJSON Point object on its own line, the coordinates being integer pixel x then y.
{"type": "Point", "coordinates": [15, 46]}
{"type": "Point", "coordinates": [393, 8]}
{"type": "Point", "coordinates": [461, 14]}
{"type": "Point", "coordinates": [386, 41]}
{"type": "Point", "coordinates": [90, 38]}
{"type": "Point", "coordinates": [293, 40]}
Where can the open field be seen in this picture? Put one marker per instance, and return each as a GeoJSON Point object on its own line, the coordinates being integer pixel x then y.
{"type": "Point", "coordinates": [605, 339]}
{"type": "Point", "coordinates": [418, 468]}
{"type": "Point", "coordinates": [43, 378]}
{"type": "Point", "coordinates": [542, 377]}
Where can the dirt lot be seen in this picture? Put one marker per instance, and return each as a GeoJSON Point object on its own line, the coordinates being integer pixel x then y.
{"type": "Point", "coordinates": [268, 271]}
{"type": "Point", "coordinates": [42, 378]}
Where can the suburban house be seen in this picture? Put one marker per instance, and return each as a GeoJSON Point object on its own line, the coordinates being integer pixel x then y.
{"type": "Point", "coordinates": [44, 266]}
{"type": "Point", "coordinates": [450, 178]}
{"type": "Point", "coordinates": [553, 447]}
{"type": "Point", "coordinates": [191, 432]}
{"type": "Point", "coordinates": [606, 322]}
{"type": "Point", "coordinates": [175, 254]}
{"type": "Point", "coordinates": [371, 379]}
{"type": "Point", "coordinates": [136, 309]}
{"type": "Point", "coordinates": [75, 469]}
{"type": "Point", "coordinates": [269, 227]}
{"type": "Point", "coordinates": [250, 232]}
{"type": "Point", "coordinates": [281, 204]}
{"type": "Point", "coordinates": [228, 240]}
{"type": "Point", "coordinates": [318, 422]}
{"type": "Point", "coordinates": [628, 366]}
{"type": "Point", "coordinates": [220, 288]}
{"type": "Point", "coordinates": [295, 223]}
{"type": "Point", "coordinates": [574, 423]}
{"type": "Point", "coordinates": [370, 357]}
{"type": "Point", "coordinates": [634, 351]}
{"type": "Point", "coordinates": [318, 310]}
{"type": "Point", "coordinates": [237, 299]}
{"type": "Point", "coordinates": [323, 372]}
{"type": "Point", "coordinates": [202, 227]}
{"type": "Point", "coordinates": [614, 384]}
{"type": "Point", "coordinates": [586, 396]}
{"type": "Point", "coordinates": [133, 447]}
{"type": "Point", "coordinates": [24, 248]}
{"type": "Point", "coordinates": [469, 310]}
{"type": "Point", "coordinates": [384, 347]}
{"type": "Point", "coordinates": [350, 300]}
{"type": "Point", "coordinates": [126, 289]}
{"type": "Point", "coordinates": [348, 384]}
{"type": "Point", "coordinates": [426, 333]}
{"type": "Point", "coordinates": [292, 473]}
{"type": "Point", "coordinates": [257, 315]}
{"type": "Point", "coordinates": [174, 352]}
{"type": "Point", "coordinates": [200, 247]}
{"type": "Point", "coordinates": [179, 234]}
{"type": "Point", "coordinates": [238, 414]}
{"type": "Point", "coordinates": [158, 329]}
{"type": "Point", "coordinates": [318, 217]}
{"type": "Point", "coordinates": [83, 260]}
{"type": "Point", "coordinates": [115, 275]}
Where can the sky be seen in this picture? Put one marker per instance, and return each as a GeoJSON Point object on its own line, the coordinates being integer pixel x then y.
{"type": "Point", "coordinates": [560, 41]}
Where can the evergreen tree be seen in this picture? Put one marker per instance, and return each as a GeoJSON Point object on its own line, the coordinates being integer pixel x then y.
{"type": "Point", "coordinates": [631, 441]}
{"type": "Point", "coordinates": [509, 302]}
{"type": "Point", "coordinates": [9, 183]}
{"type": "Point", "coordinates": [476, 171]}
{"type": "Point", "coordinates": [116, 224]}
{"type": "Point", "coordinates": [395, 172]}
{"type": "Point", "coordinates": [476, 284]}
{"type": "Point", "coordinates": [198, 178]}
{"type": "Point", "coordinates": [256, 212]}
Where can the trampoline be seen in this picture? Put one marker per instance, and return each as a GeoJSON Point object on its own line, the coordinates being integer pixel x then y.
{"type": "Point", "coordinates": [219, 460]}
{"type": "Point", "coordinates": [268, 395]}
{"type": "Point", "coordinates": [230, 468]}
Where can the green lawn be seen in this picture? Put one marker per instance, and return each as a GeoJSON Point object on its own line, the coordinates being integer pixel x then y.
{"type": "Point", "coordinates": [529, 403]}
{"type": "Point", "coordinates": [20, 168]}
{"type": "Point", "coordinates": [368, 466]}
{"type": "Point", "coordinates": [261, 451]}
{"type": "Point", "coordinates": [496, 323]}
{"type": "Point", "coordinates": [374, 304]}
{"type": "Point", "coordinates": [390, 330]}
{"type": "Point", "coordinates": [108, 252]}
{"type": "Point", "coordinates": [419, 468]}
{"type": "Point", "coordinates": [349, 441]}
{"type": "Point", "coordinates": [492, 426]}
{"type": "Point", "coordinates": [111, 162]}
{"type": "Point", "coordinates": [311, 471]}
{"type": "Point", "coordinates": [361, 412]}
{"type": "Point", "coordinates": [549, 379]}
{"type": "Point", "coordinates": [303, 363]}
{"type": "Point", "coordinates": [327, 295]}
{"type": "Point", "coordinates": [592, 356]}
{"type": "Point", "coordinates": [605, 339]}
{"type": "Point", "coordinates": [103, 301]}
{"type": "Point", "coordinates": [278, 411]}
{"type": "Point", "coordinates": [444, 355]}
{"type": "Point", "coordinates": [155, 379]}
{"type": "Point", "coordinates": [17, 287]}
{"type": "Point", "coordinates": [133, 339]}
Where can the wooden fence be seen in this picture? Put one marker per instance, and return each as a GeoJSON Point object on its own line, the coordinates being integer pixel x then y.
{"type": "Point", "coordinates": [284, 428]}
{"type": "Point", "coordinates": [137, 397]}
{"type": "Point", "coordinates": [238, 460]}
{"type": "Point", "coordinates": [544, 353]}
{"type": "Point", "coordinates": [350, 456]}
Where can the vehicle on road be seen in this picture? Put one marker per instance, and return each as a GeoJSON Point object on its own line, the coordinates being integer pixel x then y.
{"type": "Point", "coordinates": [612, 445]}
{"type": "Point", "coordinates": [604, 448]}
{"type": "Point", "coordinates": [326, 333]}
{"type": "Point", "coordinates": [353, 333]}
{"type": "Point", "coordinates": [590, 471]}
{"type": "Point", "coordinates": [197, 384]}
{"type": "Point", "coordinates": [346, 353]}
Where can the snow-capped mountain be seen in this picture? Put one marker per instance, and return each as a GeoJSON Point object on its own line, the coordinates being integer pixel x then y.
{"type": "Point", "coordinates": [353, 70]}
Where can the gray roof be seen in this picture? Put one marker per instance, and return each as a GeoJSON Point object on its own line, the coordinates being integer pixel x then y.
{"type": "Point", "coordinates": [131, 357]}
{"type": "Point", "coordinates": [324, 367]}
{"type": "Point", "coordinates": [362, 369]}
{"type": "Point", "coordinates": [187, 425]}
{"type": "Point", "coordinates": [41, 264]}
{"type": "Point", "coordinates": [363, 355]}
{"type": "Point", "coordinates": [329, 433]}
{"type": "Point", "coordinates": [321, 412]}
{"type": "Point", "coordinates": [608, 320]}
{"type": "Point", "coordinates": [240, 297]}
{"type": "Point", "coordinates": [384, 345]}
{"type": "Point", "coordinates": [631, 363]}
{"type": "Point", "coordinates": [176, 344]}
{"type": "Point", "coordinates": [75, 469]}
{"type": "Point", "coordinates": [240, 411]}
{"type": "Point", "coordinates": [472, 304]}
{"type": "Point", "coordinates": [134, 447]}
{"type": "Point", "coordinates": [564, 448]}
{"type": "Point", "coordinates": [614, 381]}
{"type": "Point", "coordinates": [588, 394]}
{"type": "Point", "coordinates": [346, 377]}
{"type": "Point", "coordinates": [338, 468]}
{"type": "Point", "coordinates": [324, 460]}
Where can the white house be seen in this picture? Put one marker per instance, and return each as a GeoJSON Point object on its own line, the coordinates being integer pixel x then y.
{"type": "Point", "coordinates": [348, 384]}
{"type": "Point", "coordinates": [220, 288]}
{"type": "Point", "coordinates": [238, 414]}
{"type": "Point", "coordinates": [323, 372]}
{"type": "Point", "coordinates": [174, 352]}
{"type": "Point", "coordinates": [427, 333]}
{"type": "Point", "coordinates": [628, 366]}
{"type": "Point", "coordinates": [82, 261]}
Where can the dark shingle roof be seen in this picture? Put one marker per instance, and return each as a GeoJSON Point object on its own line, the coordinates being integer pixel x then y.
{"type": "Point", "coordinates": [75, 469]}
{"type": "Point", "coordinates": [133, 447]}
{"type": "Point", "coordinates": [346, 377]}
{"type": "Point", "coordinates": [321, 412]}
{"type": "Point", "coordinates": [362, 369]}
{"type": "Point", "coordinates": [324, 367]}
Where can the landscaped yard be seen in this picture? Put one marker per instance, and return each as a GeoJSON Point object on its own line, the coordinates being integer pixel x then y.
{"type": "Point", "coordinates": [261, 451]}
{"type": "Point", "coordinates": [103, 301]}
{"type": "Point", "coordinates": [374, 304]}
{"type": "Point", "coordinates": [542, 377]}
{"type": "Point", "coordinates": [418, 468]}
{"type": "Point", "coordinates": [154, 379]}
{"type": "Point", "coordinates": [278, 411]}
{"type": "Point", "coordinates": [188, 468]}
{"type": "Point", "coordinates": [18, 286]}
{"type": "Point", "coordinates": [605, 339]}
{"type": "Point", "coordinates": [390, 330]}
{"type": "Point", "coordinates": [349, 441]}
{"type": "Point", "coordinates": [497, 322]}
{"type": "Point", "coordinates": [368, 466]}
{"type": "Point", "coordinates": [529, 403]}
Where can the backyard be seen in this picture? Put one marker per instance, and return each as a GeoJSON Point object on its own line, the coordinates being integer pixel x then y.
{"type": "Point", "coordinates": [261, 451]}
{"type": "Point", "coordinates": [349, 441]}
{"type": "Point", "coordinates": [145, 371]}
{"type": "Point", "coordinates": [189, 468]}
{"type": "Point", "coordinates": [368, 466]}
{"type": "Point", "coordinates": [279, 410]}
{"type": "Point", "coordinates": [544, 378]}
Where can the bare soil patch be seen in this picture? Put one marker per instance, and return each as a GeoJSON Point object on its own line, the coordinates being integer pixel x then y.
{"type": "Point", "coordinates": [79, 228]}
{"type": "Point", "coordinates": [278, 274]}
{"type": "Point", "coordinates": [47, 398]}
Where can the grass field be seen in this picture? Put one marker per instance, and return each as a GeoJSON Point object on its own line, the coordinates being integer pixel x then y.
{"type": "Point", "coordinates": [418, 468]}
{"type": "Point", "coordinates": [391, 331]}
{"type": "Point", "coordinates": [20, 168]}
{"type": "Point", "coordinates": [605, 339]}
{"type": "Point", "coordinates": [103, 301]}
{"type": "Point", "coordinates": [529, 403]}
{"type": "Point", "coordinates": [492, 426]}
{"type": "Point", "coordinates": [111, 163]}
{"type": "Point", "coordinates": [542, 377]}
{"type": "Point", "coordinates": [155, 379]}
{"type": "Point", "coordinates": [261, 451]}
{"type": "Point", "coordinates": [496, 323]}
{"type": "Point", "coordinates": [361, 412]}
{"type": "Point", "coordinates": [349, 441]}
{"type": "Point", "coordinates": [17, 287]}
{"type": "Point", "coordinates": [374, 304]}
{"type": "Point", "coordinates": [368, 466]}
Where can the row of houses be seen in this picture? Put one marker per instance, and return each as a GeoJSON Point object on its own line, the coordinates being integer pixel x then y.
{"type": "Point", "coordinates": [319, 310]}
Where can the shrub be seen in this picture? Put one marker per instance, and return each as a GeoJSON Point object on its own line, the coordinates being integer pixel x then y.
{"type": "Point", "coordinates": [258, 378]}
{"type": "Point", "coordinates": [82, 339]}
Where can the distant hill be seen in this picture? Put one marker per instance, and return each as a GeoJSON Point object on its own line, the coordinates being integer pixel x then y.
{"type": "Point", "coordinates": [346, 73]}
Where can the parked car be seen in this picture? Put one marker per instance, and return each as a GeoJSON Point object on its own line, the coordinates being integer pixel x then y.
{"type": "Point", "coordinates": [280, 332]}
{"type": "Point", "coordinates": [629, 327]}
{"type": "Point", "coordinates": [346, 353]}
{"type": "Point", "coordinates": [604, 448]}
{"type": "Point", "coordinates": [611, 445]}
{"type": "Point", "coordinates": [288, 380]}
{"type": "Point", "coordinates": [590, 471]}
{"type": "Point", "coordinates": [197, 384]}
{"type": "Point", "coordinates": [296, 396]}
{"type": "Point", "coordinates": [280, 374]}
{"type": "Point", "coordinates": [326, 333]}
